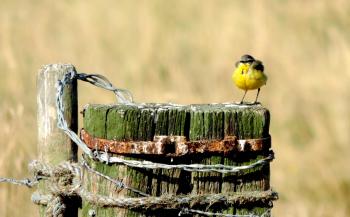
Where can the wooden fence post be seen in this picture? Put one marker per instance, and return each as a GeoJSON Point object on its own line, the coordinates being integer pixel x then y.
{"type": "Point", "coordinates": [118, 128]}
{"type": "Point", "coordinates": [54, 146]}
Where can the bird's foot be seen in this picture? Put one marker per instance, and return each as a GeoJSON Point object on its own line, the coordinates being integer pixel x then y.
{"type": "Point", "coordinates": [247, 103]}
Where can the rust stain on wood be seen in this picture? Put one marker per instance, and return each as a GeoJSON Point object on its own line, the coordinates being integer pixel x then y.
{"type": "Point", "coordinates": [176, 145]}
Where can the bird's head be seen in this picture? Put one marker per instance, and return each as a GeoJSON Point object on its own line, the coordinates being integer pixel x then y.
{"type": "Point", "coordinates": [245, 59]}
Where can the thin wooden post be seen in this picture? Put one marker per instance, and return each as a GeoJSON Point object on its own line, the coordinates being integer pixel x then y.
{"type": "Point", "coordinates": [54, 146]}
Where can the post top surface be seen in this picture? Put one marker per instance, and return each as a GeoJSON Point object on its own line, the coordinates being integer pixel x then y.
{"type": "Point", "coordinates": [190, 107]}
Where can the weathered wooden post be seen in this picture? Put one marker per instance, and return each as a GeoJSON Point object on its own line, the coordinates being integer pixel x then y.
{"type": "Point", "coordinates": [54, 145]}
{"type": "Point", "coordinates": [172, 134]}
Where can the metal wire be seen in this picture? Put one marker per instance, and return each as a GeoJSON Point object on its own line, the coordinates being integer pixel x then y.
{"type": "Point", "coordinates": [26, 182]}
{"type": "Point", "coordinates": [119, 184]}
{"type": "Point", "coordinates": [220, 168]}
{"type": "Point", "coordinates": [175, 202]}
{"type": "Point", "coordinates": [122, 95]}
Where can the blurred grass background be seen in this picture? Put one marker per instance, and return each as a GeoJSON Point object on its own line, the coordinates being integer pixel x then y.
{"type": "Point", "coordinates": [184, 52]}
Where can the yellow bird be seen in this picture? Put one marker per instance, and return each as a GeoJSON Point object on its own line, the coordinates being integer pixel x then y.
{"type": "Point", "coordinates": [249, 75]}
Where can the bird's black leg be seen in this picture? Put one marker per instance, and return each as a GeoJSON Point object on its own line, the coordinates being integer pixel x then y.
{"type": "Point", "coordinates": [243, 97]}
{"type": "Point", "coordinates": [256, 99]}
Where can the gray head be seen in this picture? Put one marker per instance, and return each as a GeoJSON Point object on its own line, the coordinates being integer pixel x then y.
{"type": "Point", "coordinates": [247, 59]}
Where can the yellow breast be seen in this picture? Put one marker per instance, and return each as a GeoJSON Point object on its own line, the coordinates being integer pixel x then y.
{"type": "Point", "coordinates": [248, 79]}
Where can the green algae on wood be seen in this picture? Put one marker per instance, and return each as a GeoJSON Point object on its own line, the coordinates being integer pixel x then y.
{"type": "Point", "coordinates": [95, 120]}
{"type": "Point", "coordinates": [207, 121]}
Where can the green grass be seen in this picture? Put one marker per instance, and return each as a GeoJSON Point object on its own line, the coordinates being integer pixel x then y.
{"type": "Point", "coordinates": [184, 52]}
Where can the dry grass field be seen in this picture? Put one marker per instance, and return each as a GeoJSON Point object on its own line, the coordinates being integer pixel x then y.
{"type": "Point", "coordinates": [184, 52]}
